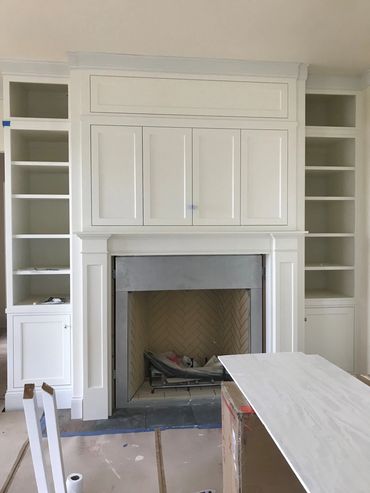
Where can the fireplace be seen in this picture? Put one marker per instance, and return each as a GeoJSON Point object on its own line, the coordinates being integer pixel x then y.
{"type": "Point", "coordinates": [95, 346]}
{"type": "Point", "coordinates": [199, 306]}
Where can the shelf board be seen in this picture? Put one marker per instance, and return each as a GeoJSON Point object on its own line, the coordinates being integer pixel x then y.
{"type": "Point", "coordinates": [42, 271]}
{"type": "Point", "coordinates": [325, 294]}
{"type": "Point", "coordinates": [41, 236]}
{"type": "Point", "coordinates": [328, 198]}
{"type": "Point", "coordinates": [330, 168]}
{"type": "Point", "coordinates": [327, 266]}
{"type": "Point", "coordinates": [331, 132]}
{"type": "Point", "coordinates": [45, 124]}
{"type": "Point", "coordinates": [41, 164]}
{"type": "Point", "coordinates": [37, 196]}
{"type": "Point", "coordinates": [330, 235]}
{"type": "Point", "coordinates": [36, 301]}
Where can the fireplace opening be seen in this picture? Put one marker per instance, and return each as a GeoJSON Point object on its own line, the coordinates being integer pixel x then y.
{"type": "Point", "coordinates": [183, 311]}
{"type": "Point", "coordinates": [190, 328]}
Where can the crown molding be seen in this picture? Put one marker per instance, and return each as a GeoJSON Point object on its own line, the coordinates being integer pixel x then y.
{"type": "Point", "coordinates": [185, 65]}
{"type": "Point", "coordinates": [33, 67]}
{"type": "Point", "coordinates": [334, 82]}
{"type": "Point", "coordinates": [366, 79]}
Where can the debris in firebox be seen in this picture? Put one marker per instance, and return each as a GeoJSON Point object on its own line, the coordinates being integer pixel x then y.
{"type": "Point", "coordinates": [170, 370]}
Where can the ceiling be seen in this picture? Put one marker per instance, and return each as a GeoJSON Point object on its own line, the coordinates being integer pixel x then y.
{"type": "Point", "coordinates": [331, 35]}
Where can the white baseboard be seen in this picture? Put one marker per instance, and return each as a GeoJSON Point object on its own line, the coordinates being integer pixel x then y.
{"type": "Point", "coordinates": [14, 398]}
{"type": "Point", "coordinates": [76, 408]}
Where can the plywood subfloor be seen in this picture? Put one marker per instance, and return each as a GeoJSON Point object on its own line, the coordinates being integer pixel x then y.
{"type": "Point", "coordinates": [127, 462]}
{"type": "Point", "coordinates": [192, 460]}
{"type": "Point", "coordinates": [13, 440]}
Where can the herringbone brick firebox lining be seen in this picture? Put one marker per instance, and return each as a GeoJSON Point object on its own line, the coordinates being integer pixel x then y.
{"type": "Point", "coordinates": [199, 324]}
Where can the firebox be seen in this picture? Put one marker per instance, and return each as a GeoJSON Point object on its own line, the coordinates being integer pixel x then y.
{"type": "Point", "coordinates": [192, 307]}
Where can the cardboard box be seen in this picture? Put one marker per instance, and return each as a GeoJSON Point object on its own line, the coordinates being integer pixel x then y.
{"type": "Point", "coordinates": [252, 463]}
{"type": "Point", "coordinates": [364, 379]}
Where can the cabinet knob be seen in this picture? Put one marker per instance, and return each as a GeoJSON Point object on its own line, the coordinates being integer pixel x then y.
{"type": "Point", "coordinates": [67, 326]}
{"type": "Point", "coordinates": [305, 319]}
{"type": "Point", "coordinates": [192, 207]}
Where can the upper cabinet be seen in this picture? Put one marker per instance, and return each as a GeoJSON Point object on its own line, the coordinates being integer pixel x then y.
{"type": "Point", "coordinates": [159, 176]}
{"type": "Point", "coordinates": [116, 175]}
{"type": "Point", "coordinates": [264, 177]}
{"type": "Point", "coordinates": [167, 176]}
{"type": "Point", "coordinates": [185, 149]}
{"type": "Point", "coordinates": [216, 176]}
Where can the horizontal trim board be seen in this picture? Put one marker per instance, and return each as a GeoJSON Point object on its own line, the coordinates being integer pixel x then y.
{"type": "Point", "coordinates": [186, 65]}
{"type": "Point", "coordinates": [183, 96]}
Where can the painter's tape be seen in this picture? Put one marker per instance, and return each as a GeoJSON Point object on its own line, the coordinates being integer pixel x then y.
{"type": "Point", "coordinates": [6, 123]}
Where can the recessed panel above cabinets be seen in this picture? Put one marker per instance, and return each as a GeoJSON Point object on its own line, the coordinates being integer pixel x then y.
{"type": "Point", "coordinates": [189, 96]}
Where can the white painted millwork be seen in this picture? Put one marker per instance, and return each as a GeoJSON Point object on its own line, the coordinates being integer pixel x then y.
{"type": "Point", "coordinates": [38, 212]}
{"type": "Point", "coordinates": [264, 176]}
{"type": "Point", "coordinates": [216, 176]}
{"type": "Point", "coordinates": [116, 175]}
{"type": "Point", "coordinates": [334, 284]}
{"type": "Point", "coordinates": [167, 176]}
{"type": "Point", "coordinates": [330, 333]}
{"type": "Point", "coordinates": [282, 325]}
{"type": "Point", "coordinates": [189, 96]}
{"type": "Point", "coordinates": [165, 157]}
{"type": "Point", "coordinates": [42, 349]}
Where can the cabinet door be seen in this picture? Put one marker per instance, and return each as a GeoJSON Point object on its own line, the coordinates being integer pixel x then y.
{"type": "Point", "coordinates": [330, 333]}
{"type": "Point", "coordinates": [216, 176]}
{"type": "Point", "coordinates": [42, 349]}
{"type": "Point", "coordinates": [264, 168]}
{"type": "Point", "coordinates": [116, 155]}
{"type": "Point", "coordinates": [167, 176]}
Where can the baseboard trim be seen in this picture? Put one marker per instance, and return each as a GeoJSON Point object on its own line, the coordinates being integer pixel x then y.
{"type": "Point", "coordinates": [76, 408]}
{"type": "Point", "coordinates": [14, 398]}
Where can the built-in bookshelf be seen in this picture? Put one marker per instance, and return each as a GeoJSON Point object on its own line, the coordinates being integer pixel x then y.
{"type": "Point", "coordinates": [330, 195]}
{"type": "Point", "coordinates": [40, 192]}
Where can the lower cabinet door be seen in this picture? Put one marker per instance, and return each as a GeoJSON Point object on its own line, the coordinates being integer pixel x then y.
{"type": "Point", "coordinates": [330, 333]}
{"type": "Point", "coordinates": [42, 349]}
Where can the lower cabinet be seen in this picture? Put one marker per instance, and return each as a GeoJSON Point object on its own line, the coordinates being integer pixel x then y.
{"type": "Point", "coordinates": [41, 349]}
{"type": "Point", "coordinates": [330, 333]}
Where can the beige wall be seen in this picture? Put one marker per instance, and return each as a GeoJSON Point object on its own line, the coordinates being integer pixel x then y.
{"type": "Point", "coordinates": [331, 35]}
{"type": "Point", "coordinates": [2, 247]}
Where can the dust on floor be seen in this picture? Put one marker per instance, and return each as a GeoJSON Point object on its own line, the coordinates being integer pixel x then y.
{"type": "Point", "coordinates": [192, 462]}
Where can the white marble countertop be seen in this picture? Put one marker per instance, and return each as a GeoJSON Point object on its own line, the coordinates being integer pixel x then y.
{"type": "Point", "coordinates": [317, 414]}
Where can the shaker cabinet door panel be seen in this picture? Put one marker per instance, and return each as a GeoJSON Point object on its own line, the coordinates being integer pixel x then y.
{"type": "Point", "coordinates": [116, 156]}
{"type": "Point", "coordinates": [216, 176]}
{"type": "Point", "coordinates": [167, 176]}
{"type": "Point", "coordinates": [42, 349]}
{"type": "Point", "coordinates": [264, 175]}
{"type": "Point", "coordinates": [330, 333]}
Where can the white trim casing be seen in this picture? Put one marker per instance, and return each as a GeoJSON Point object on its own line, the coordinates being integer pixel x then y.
{"type": "Point", "coordinates": [282, 278]}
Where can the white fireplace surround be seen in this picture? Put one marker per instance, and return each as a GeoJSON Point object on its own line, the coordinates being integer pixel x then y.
{"type": "Point", "coordinates": [92, 353]}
